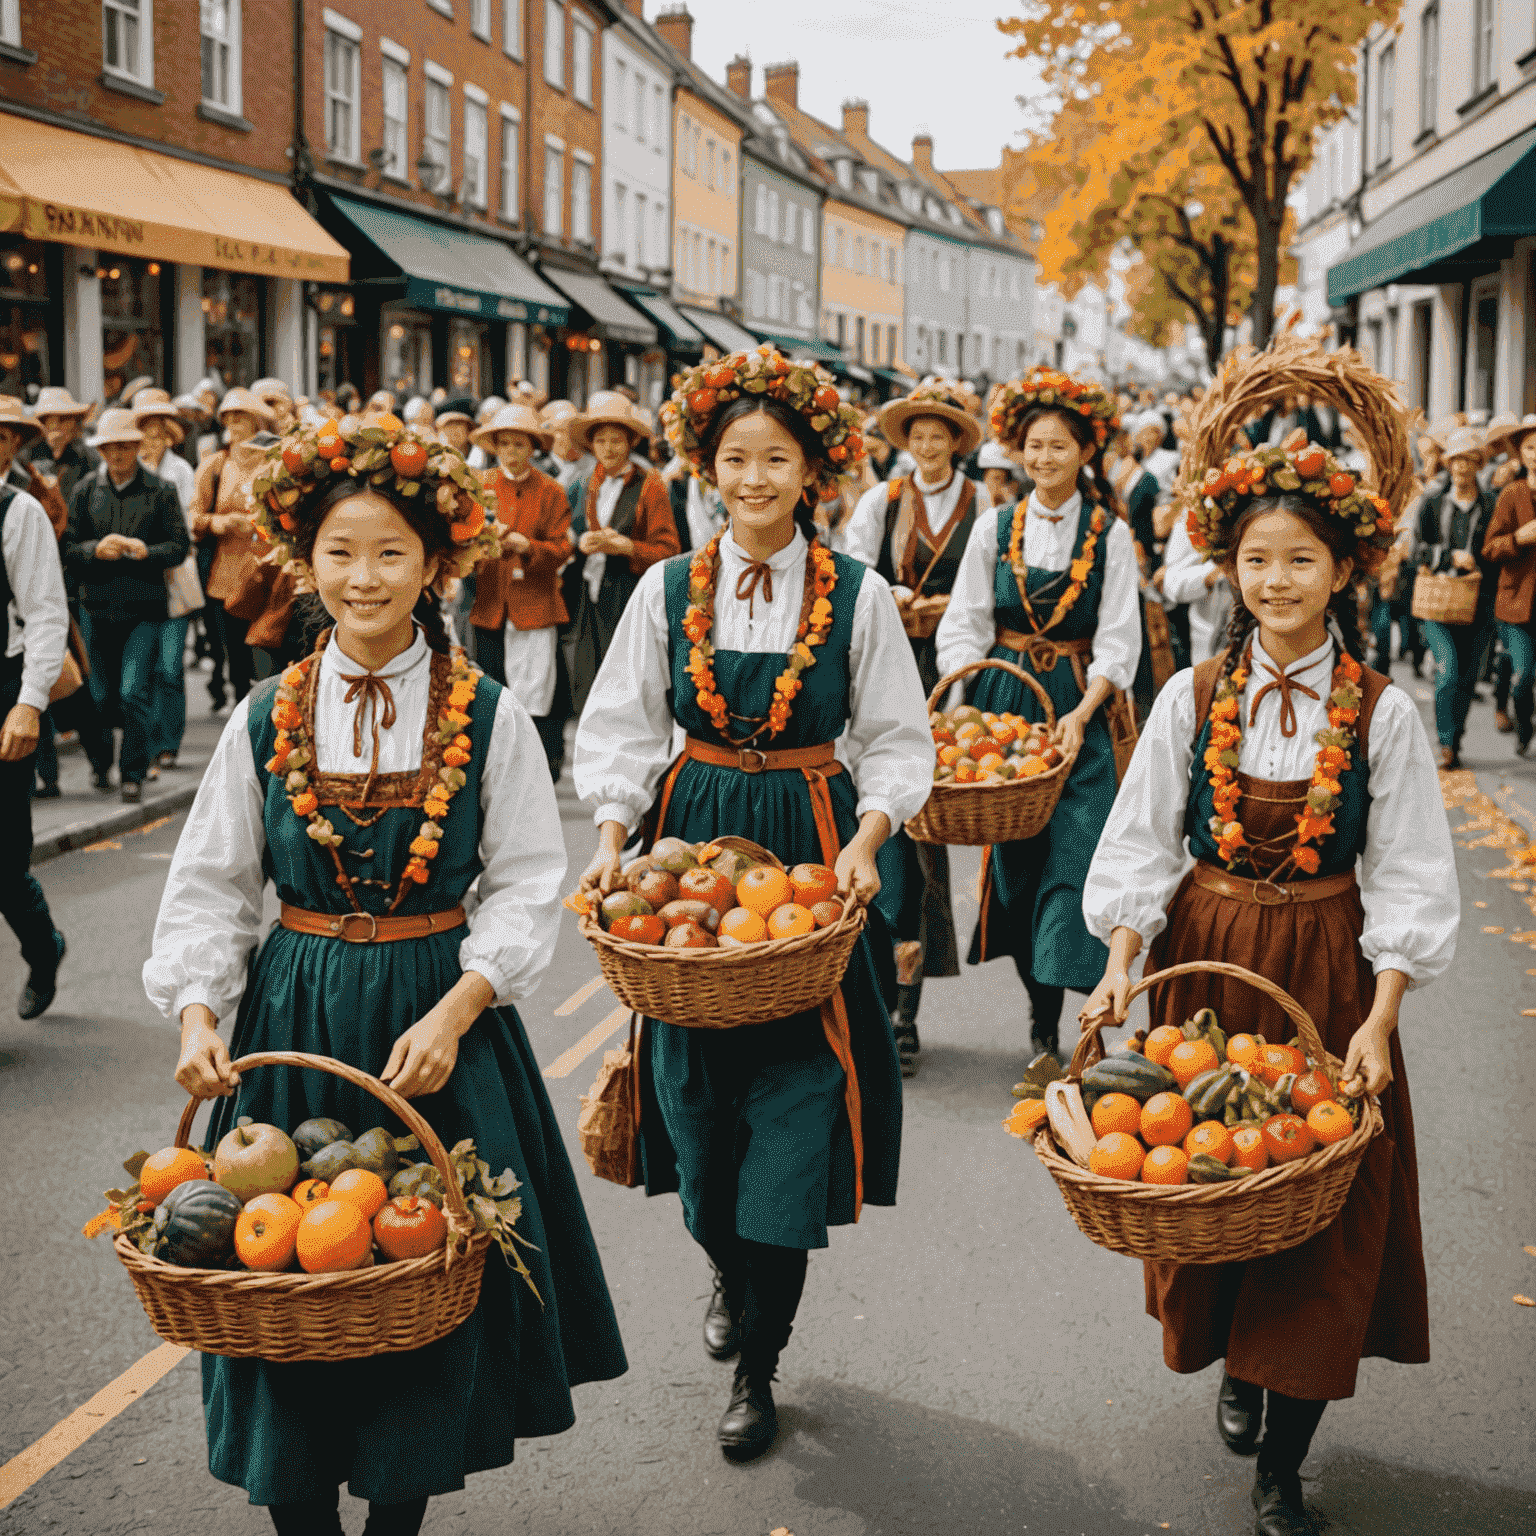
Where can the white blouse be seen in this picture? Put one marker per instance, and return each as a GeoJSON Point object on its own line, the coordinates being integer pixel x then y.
{"type": "Point", "coordinates": [210, 912]}
{"type": "Point", "coordinates": [624, 742]}
{"type": "Point", "coordinates": [1407, 873]}
{"type": "Point", "coordinates": [968, 630]}
{"type": "Point", "coordinates": [861, 537]}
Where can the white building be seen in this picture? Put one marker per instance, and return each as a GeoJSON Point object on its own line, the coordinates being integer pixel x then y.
{"type": "Point", "coordinates": [637, 153]}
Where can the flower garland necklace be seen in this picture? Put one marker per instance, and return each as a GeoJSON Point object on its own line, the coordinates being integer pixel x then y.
{"type": "Point", "coordinates": [293, 755]}
{"type": "Point", "coordinates": [815, 624]}
{"type": "Point", "coordinates": [1078, 571]}
{"type": "Point", "coordinates": [1324, 789]}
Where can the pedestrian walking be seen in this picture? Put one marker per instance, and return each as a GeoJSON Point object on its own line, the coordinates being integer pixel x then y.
{"type": "Point", "coordinates": [126, 530]}
{"type": "Point", "coordinates": [414, 992]}
{"type": "Point", "coordinates": [1452, 535]}
{"type": "Point", "coordinates": [1003, 479]}
{"type": "Point", "coordinates": [770, 1133]}
{"type": "Point", "coordinates": [1231, 761]}
{"type": "Point", "coordinates": [68, 457]}
{"type": "Point", "coordinates": [518, 607]}
{"type": "Point", "coordinates": [622, 523]}
{"type": "Point", "coordinates": [1510, 544]}
{"type": "Point", "coordinates": [912, 531]}
{"type": "Point", "coordinates": [1050, 584]}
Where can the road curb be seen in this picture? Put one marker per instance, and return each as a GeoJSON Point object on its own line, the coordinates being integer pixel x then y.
{"type": "Point", "coordinates": [81, 834]}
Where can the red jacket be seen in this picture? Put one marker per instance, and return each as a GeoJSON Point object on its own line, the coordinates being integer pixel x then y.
{"type": "Point", "coordinates": [1516, 562]}
{"type": "Point", "coordinates": [655, 532]}
{"type": "Point", "coordinates": [535, 507]}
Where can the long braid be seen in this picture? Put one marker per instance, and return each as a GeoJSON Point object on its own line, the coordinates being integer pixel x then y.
{"type": "Point", "coordinates": [1345, 612]}
{"type": "Point", "coordinates": [1240, 628]}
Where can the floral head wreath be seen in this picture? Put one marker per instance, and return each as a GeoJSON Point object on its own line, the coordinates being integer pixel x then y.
{"type": "Point", "coordinates": [1293, 468]}
{"type": "Point", "coordinates": [805, 387]}
{"type": "Point", "coordinates": [378, 453]}
{"type": "Point", "coordinates": [1011, 402]}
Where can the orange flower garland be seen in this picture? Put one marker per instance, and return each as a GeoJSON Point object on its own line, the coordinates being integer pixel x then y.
{"type": "Point", "coordinates": [698, 621]}
{"type": "Point", "coordinates": [1323, 792]}
{"type": "Point", "coordinates": [1078, 571]}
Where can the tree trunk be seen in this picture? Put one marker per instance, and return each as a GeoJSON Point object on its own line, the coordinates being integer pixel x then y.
{"type": "Point", "coordinates": [1267, 259]}
{"type": "Point", "coordinates": [1220, 267]}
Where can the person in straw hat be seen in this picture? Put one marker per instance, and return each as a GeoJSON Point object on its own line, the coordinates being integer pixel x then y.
{"type": "Point", "coordinates": [1510, 544]}
{"type": "Point", "coordinates": [455, 422]}
{"type": "Point", "coordinates": [1452, 531]}
{"type": "Point", "coordinates": [62, 419]}
{"type": "Point", "coordinates": [126, 530]}
{"type": "Point", "coordinates": [278, 398]}
{"type": "Point", "coordinates": [518, 607]}
{"type": "Point", "coordinates": [1281, 763]}
{"type": "Point", "coordinates": [775, 1133]}
{"type": "Point", "coordinates": [374, 961]}
{"type": "Point", "coordinates": [912, 530]}
{"type": "Point", "coordinates": [622, 522]}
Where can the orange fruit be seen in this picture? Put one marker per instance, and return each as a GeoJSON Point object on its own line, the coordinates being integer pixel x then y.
{"type": "Point", "coordinates": [1309, 1089]}
{"type": "Point", "coordinates": [1189, 1059]}
{"type": "Point", "coordinates": [309, 1192]}
{"type": "Point", "coordinates": [1165, 1165]}
{"type": "Point", "coordinates": [1165, 1120]}
{"type": "Point", "coordinates": [743, 926]}
{"type": "Point", "coordinates": [790, 919]}
{"type": "Point", "coordinates": [1116, 1156]}
{"type": "Point", "coordinates": [1329, 1122]}
{"type": "Point", "coordinates": [1248, 1149]}
{"type": "Point", "coordinates": [1161, 1042]}
{"type": "Point", "coordinates": [763, 889]}
{"type": "Point", "coordinates": [163, 1171]}
{"type": "Point", "coordinates": [1116, 1112]}
{"type": "Point", "coordinates": [267, 1231]}
{"type": "Point", "coordinates": [826, 913]}
{"type": "Point", "coordinates": [1212, 1138]}
{"type": "Point", "coordinates": [334, 1235]}
{"type": "Point", "coordinates": [1276, 1060]}
{"type": "Point", "coordinates": [409, 1228]}
{"type": "Point", "coordinates": [1286, 1138]}
{"type": "Point", "coordinates": [363, 1188]}
{"type": "Point", "coordinates": [1028, 1115]}
{"type": "Point", "coordinates": [812, 883]}
{"type": "Point", "coordinates": [1243, 1051]}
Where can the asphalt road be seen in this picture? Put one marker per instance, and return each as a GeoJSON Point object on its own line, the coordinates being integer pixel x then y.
{"type": "Point", "coordinates": [967, 1362]}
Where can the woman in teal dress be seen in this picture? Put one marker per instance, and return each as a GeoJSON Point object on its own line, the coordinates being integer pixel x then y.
{"type": "Point", "coordinates": [320, 784]}
{"type": "Point", "coordinates": [1050, 584]}
{"type": "Point", "coordinates": [770, 1133]}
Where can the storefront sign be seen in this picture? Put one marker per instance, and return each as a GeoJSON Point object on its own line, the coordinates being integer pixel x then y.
{"type": "Point", "coordinates": [105, 229]}
{"type": "Point", "coordinates": [424, 294]}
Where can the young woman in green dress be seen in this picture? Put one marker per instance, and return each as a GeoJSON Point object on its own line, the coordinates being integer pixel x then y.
{"type": "Point", "coordinates": [764, 648]}
{"type": "Point", "coordinates": [321, 783]}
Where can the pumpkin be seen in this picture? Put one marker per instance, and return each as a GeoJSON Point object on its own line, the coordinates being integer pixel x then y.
{"type": "Point", "coordinates": [317, 1133]}
{"type": "Point", "coordinates": [196, 1224]}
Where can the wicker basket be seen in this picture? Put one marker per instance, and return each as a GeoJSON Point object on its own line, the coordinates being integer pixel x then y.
{"type": "Point", "coordinates": [1248, 1218]}
{"type": "Point", "coordinates": [1446, 599]}
{"type": "Point", "coordinates": [921, 614]}
{"type": "Point", "coordinates": [383, 1310]}
{"type": "Point", "coordinates": [975, 815]}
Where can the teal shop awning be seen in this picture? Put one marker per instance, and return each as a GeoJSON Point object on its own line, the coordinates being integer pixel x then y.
{"type": "Point", "coordinates": [678, 334]}
{"type": "Point", "coordinates": [720, 331]}
{"type": "Point", "coordinates": [607, 314]}
{"type": "Point", "coordinates": [455, 269]}
{"type": "Point", "coordinates": [802, 346]}
{"type": "Point", "coordinates": [1456, 227]}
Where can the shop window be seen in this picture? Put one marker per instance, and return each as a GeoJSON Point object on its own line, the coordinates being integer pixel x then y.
{"type": "Point", "coordinates": [1485, 352]}
{"type": "Point", "coordinates": [1429, 68]}
{"type": "Point", "coordinates": [474, 152]}
{"type": "Point", "coordinates": [407, 368]}
{"type": "Point", "coordinates": [466, 366]}
{"type": "Point", "coordinates": [220, 25]}
{"type": "Point", "coordinates": [858, 337]}
{"type": "Point", "coordinates": [480, 18]}
{"type": "Point", "coordinates": [128, 39]}
{"type": "Point", "coordinates": [509, 163]}
{"type": "Point", "coordinates": [512, 27]}
{"type": "Point", "coordinates": [437, 133]}
{"type": "Point", "coordinates": [554, 190]}
{"type": "Point", "coordinates": [554, 44]}
{"type": "Point", "coordinates": [231, 326]}
{"type": "Point", "coordinates": [396, 138]}
{"type": "Point", "coordinates": [132, 340]}
{"type": "Point", "coordinates": [23, 318]}
{"type": "Point", "coordinates": [581, 61]}
{"type": "Point", "coordinates": [336, 353]}
{"type": "Point", "coordinates": [341, 97]}
{"type": "Point", "coordinates": [1483, 14]}
{"type": "Point", "coordinates": [581, 201]}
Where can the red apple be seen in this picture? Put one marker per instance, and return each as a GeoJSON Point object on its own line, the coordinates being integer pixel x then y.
{"type": "Point", "coordinates": [1340, 484]}
{"type": "Point", "coordinates": [689, 936]}
{"type": "Point", "coordinates": [827, 912]}
{"type": "Point", "coordinates": [655, 886]}
{"type": "Point", "coordinates": [707, 885]}
{"type": "Point", "coordinates": [641, 929]}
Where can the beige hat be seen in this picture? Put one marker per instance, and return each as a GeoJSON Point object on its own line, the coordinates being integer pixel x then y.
{"type": "Point", "coordinates": [488, 407]}
{"type": "Point", "coordinates": [13, 414]}
{"type": "Point", "coordinates": [512, 418]}
{"type": "Point", "coordinates": [1463, 441]}
{"type": "Point", "coordinates": [162, 409]}
{"type": "Point", "coordinates": [271, 389]}
{"type": "Point", "coordinates": [239, 399]}
{"type": "Point", "coordinates": [190, 405]}
{"type": "Point", "coordinates": [115, 426]}
{"type": "Point", "coordinates": [54, 401]}
{"type": "Point", "coordinates": [557, 410]}
{"type": "Point", "coordinates": [1500, 428]}
{"type": "Point", "coordinates": [134, 387]}
{"type": "Point", "coordinates": [606, 408]}
{"type": "Point", "coordinates": [444, 417]}
{"type": "Point", "coordinates": [931, 399]}
{"type": "Point", "coordinates": [1518, 433]}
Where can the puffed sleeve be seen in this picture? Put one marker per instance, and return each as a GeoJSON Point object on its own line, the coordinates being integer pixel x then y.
{"type": "Point", "coordinates": [1117, 637]}
{"type": "Point", "coordinates": [1408, 872]}
{"type": "Point", "coordinates": [513, 926]}
{"type": "Point", "coordinates": [1184, 568]}
{"type": "Point", "coordinates": [1141, 856]}
{"type": "Point", "coordinates": [968, 628]}
{"type": "Point", "coordinates": [210, 910]}
{"type": "Point", "coordinates": [624, 737]}
{"type": "Point", "coordinates": [861, 536]}
{"type": "Point", "coordinates": [888, 746]}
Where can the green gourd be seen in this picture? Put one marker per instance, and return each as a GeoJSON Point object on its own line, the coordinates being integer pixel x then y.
{"type": "Point", "coordinates": [196, 1224]}
{"type": "Point", "coordinates": [1128, 1072]}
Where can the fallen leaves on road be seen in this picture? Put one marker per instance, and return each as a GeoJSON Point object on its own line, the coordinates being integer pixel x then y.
{"type": "Point", "coordinates": [1524, 1301]}
{"type": "Point", "coordinates": [1488, 929]}
{"type": "Point", "coordinates": [1530, 1248]}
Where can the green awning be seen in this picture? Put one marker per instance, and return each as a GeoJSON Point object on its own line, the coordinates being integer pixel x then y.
{"type": "Point", "coordinates": [802, 346]}
{"type": "Point", "coordinates": [1462, 224]}
{"type": "Point", "coordinates": [678, 334]}
{"type": "Point", "coordinates": [606, 313]}
{"type": "Point", "coordinates": [720, 331]}
{"type": "Point", "coordinates": [455, 269]}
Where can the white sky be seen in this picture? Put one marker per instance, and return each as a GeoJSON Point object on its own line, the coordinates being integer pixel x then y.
{"type": "Point", "coordinates": [937, 65]}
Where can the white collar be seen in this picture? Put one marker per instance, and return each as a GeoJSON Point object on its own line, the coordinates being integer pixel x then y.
{"type": "Point", "coordinates": [934, 490]}
{"type": "Point", "coordinates": [416, 654]}
{"type": "Point", "coordinates": [780, 560]}
{"type": "Point", "coordinates": [1067, 512]}
{"type": "Point", "coordinates": [1322, 656]}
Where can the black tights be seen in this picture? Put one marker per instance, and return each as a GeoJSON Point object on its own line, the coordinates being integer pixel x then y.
{"type": "Point", "coordinates": [321, 1517]}
{"type": "Point", "coordinates": [763, 1285]}
{"type": "Point", "coordinates": [1045, 1004]}
{"type": "Point", "coordinates": [1289, 1424]}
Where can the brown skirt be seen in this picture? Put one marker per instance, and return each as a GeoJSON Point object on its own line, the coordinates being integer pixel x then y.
{"type": "Point", "coordinates": [1298, 1322]}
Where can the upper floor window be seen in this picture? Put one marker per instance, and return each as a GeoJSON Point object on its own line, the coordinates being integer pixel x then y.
{"type": "Point", "coordinates": [581, 65]}
{"type": "Point", "coordinates": [1483, 17]}
{"type": "Point", "coordinates": [512, 27]}
{"type": "Point", "coordinates": [219, 23]}
{"type": "Point", "coordinates": [658, 103]}
{"type": "Point", "coordinates": [396, 116]}
{"type": "Point", "coordinates": [790, 210]}
{"type": "Point", "coordinates": [619, 223]}
{"type": "Point", "coordinates": [480, 18]}
{"type": "Point", "coordinates": [509, 164]}
{"type": "Point", "coordinates": [727, 184]}
{"type": "Point", "coordinates": [1386, 82]}
{"type": "Point", "coordinates": [475, 149]}
{"type": "Point", "coordinates": [128, 39]}
{"type": "Point", "coordinates": [838, 247]}
{"type": "Point", "coordinates": [341, 96]}
{"type": "Point", "coordinates": [437, 132]}
{"type": "Point", "coordinates": [845, 174]}
{"type": "Point", "coordinates": [808, 233]}
{"type": "Point", "coordinates": [711, 149]}
{"type": "Point", "coordinates": [581, 200]}
{"type": "Point", "coordinates": [554, 43]}
{"type": "Point", "coordinates": [760, 214]}
{"type": "Point", "coordinates": [1429, 68]}
{"type": "Point", "coordinates": [637, 106]}
{"type": "Point", "coordinates": [773, 212]}
{"type": "Point", "coordinates": [10, 22]}
{"type": "Point", "coordinates": [554, 188]}
{"type": "Point", "coordinates": [620, 92]}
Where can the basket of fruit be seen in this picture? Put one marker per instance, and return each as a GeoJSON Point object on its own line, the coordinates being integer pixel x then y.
{"type": "Point", "coordinates": [255, 1253]}
{"type": "Point", "coordinates": [717, 935]}
{"type": "Point", "coordinates": [997, 777]}
{"type": "Point", "coordinates": [1197, 1148]}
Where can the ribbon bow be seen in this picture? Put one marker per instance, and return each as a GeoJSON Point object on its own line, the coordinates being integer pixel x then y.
{"type": "Point", "coordinates": [746, 584]}
{"type": "Point", "coordinates": [369, 688]}
{"type": "Point", "coordinates": [1286, 685]}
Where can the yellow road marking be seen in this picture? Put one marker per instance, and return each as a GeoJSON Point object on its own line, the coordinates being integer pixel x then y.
{"type": "Point", "coordinates": [43, 1455]}
{"type": "Point", "coordinates": [566, 1063]}
{"type": "Point", "coordinates": [578, 997]}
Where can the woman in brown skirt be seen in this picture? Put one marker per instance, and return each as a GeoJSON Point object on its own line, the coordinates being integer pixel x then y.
{"type": "Point", "coordinates": [1282, 762]}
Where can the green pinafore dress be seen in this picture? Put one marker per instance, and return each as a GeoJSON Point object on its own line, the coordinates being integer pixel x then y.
{"type": "Point", "coordinates": [751, 1126]}
{"type": "Point", "coordinates": [397, 1426]}
{"type": "Point", "coordinates": [1032, 899]}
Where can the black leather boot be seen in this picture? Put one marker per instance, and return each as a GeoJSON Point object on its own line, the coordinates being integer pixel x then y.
{"type": "Point", "coordinates": [1239, 1413]}
{"type": "Point", "coordinates": [904, 1027]}
{"type": "Point", "coordinates": [722, 1318]}
{"type": "Point", "coordinates": [1277, 1500]}
{"type": "Point", "coordinates": [42, 985]}
{"type": "Point", "coordinates": [750, 1424]}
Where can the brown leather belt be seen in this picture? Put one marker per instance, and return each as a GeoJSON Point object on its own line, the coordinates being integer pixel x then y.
{"type": "Point", "coordinates": [755, 760]}
{"type": "Point", "coordinates": [1266, 893]}
{"type": "Point", "coordinates": [365, 928]}
{"type": "Point", "coordinates": [1043, 652]}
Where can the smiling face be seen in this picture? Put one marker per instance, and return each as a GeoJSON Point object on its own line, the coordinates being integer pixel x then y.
{"type": "Point", "coordinates": [761, 474]}
{"type": "Point", "coordinates": [1287, 575]}
{"type": "Point", "coordinates": [1528, 454]}
{"type": "Point", "coordinates": [931, 442]}
{"type": "Point", "coordinates": [1052, 457]}
{"type": "Point", "coordinates": [370, 567]}
{"type": "Point", "coordinates": [610, 447]}
{"type": "Point", "coordinates": [513, 452]}
{"type": "Point", "coordinates": [1464, 467]}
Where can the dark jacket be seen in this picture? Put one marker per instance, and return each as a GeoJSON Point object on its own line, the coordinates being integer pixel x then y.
{"type": "Point", "coordinates": [146, 508]}
{"type": "Point", "coordinates": [1433, 554]}
{"type": "Point", "coordinates": [70, 468]}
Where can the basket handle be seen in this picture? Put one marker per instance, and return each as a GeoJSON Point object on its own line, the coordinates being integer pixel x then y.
{"type": "Point", "coordinates": [946, 683]}
{"type": "Point", "coordinates": [460, 1222]}
{"type": "Point", "coordinates": [1090, 1044]}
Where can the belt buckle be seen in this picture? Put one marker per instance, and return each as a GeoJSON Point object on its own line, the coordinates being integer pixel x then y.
{"type": "Point", "coordinates": [1284, 894]}
{"type": "Point", "coordinates": [358, 937]}
{"type": "Point", "coordinates": [751, 760]}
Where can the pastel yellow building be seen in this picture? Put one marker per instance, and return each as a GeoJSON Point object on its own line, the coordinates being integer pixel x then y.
{"type": "Point", "coordinates": [861, 284]}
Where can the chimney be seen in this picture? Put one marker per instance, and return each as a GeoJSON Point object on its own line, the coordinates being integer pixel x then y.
{"type": "Point", "coordinates": [856, 118]}
{"type": "Point", "coordinates": [738, 76]}
{"type": "Point", "coordinates": [922, 152]}
{"type": "Point", "coordinates": [781, 83]}
{"type": "Point", "coordinates": [635, 7]}
{"type": "Point", "coordinates": [676, 27]}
